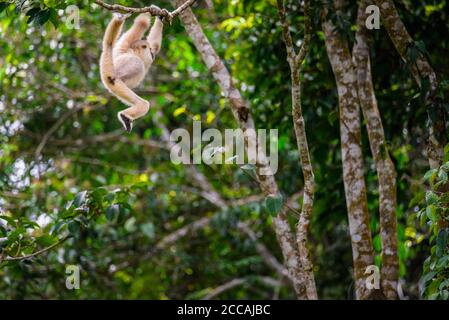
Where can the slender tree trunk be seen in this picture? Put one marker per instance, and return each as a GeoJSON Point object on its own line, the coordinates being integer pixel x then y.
{"type": "Point", "coordinates": [385, 168]}
{"type": "Point", "coordinates": [295, 61]}
{"type": "Point", "coordinates": [352, 157]}
{"type": "Point", "coordinates": [243, 116]}
{"type": "Point", "coordinates": [421, 71]}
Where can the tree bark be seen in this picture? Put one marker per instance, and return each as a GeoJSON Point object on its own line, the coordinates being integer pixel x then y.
{"type": "Point", "coordinates": [243, 116]}
{"type": "Point", "coordinates": [421, 70]}
{"type": "Point", "coordinates": [386, 172]}
{"type": "Point", "coordinates": [352, 157]}
{"type": "Point", "coordinates": [295, 61]}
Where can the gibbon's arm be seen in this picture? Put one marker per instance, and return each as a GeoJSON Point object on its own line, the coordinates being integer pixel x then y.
{"type": "Point", "coordinates": [111, 34]}
{"type": "Point", "coordinates": [155, 36]}
{"type": "Point", "coordinates": [135, 33]}
{"type": "Point", "coordinates": [113, 30]}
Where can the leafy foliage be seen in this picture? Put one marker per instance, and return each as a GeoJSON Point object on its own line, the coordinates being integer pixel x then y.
{"type": "Point", "coordinates": [436, 215]}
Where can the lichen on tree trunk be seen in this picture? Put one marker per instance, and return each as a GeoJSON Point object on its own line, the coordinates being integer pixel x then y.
{"type": "Point", "coordinates": [386, 172]}
{"type": "Point", "coordinates": [352, 157]}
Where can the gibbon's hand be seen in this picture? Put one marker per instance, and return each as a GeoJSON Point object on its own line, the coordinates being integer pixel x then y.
{"type": "Point", "coordinates": [121, 16]}
{"type": "Point", "coordinates": [167, 17]}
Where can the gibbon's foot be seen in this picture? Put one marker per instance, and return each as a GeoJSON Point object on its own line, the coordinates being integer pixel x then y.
{"type": "Point", "coordinates": [126, 122]}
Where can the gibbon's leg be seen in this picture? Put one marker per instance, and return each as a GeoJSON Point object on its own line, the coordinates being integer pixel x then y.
{"type": "Point", "coordinates": [155, 36]}
{"type": "Point", "coordinates": [137, 106]}
{"type": "Point", "coordinates": [135, 33]}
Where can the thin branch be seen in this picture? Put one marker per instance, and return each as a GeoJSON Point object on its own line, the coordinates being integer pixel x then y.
{"type": "Point", "coordinates": [295, 61]}
{"type": "Point", "coordinates": [224, 287]}
{"type": "Point", "coordinates": [52, 130]}
{"type": "Point", "coordinates": [307, 35]}
{"type": "Point", "coordinates": [268, 281]}
{"type": "Point", "coordinates": [37, 253]}
{"type": "Point", "coordinates": [263, 251]}
{"type": "Point", "coordinates": [153, 10]}
{"type": "Point", "coordinates": [286, 30]}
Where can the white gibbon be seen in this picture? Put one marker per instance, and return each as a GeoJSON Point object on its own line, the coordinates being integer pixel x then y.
{"type": "Point", "coordinates": [125, 62]}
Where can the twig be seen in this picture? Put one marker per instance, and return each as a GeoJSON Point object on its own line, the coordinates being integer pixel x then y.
{"type": "Point", "coordinates": [55, 127]}
{"type": "Point", "coordinates": [154, 10]}
{"type": "Point", "coordinates": [32, 255]}
{"type": "Point", "coordinates": [224, 287]}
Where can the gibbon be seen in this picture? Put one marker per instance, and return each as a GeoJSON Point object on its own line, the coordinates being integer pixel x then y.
{"type": "Point", "coordinates": [125, 62]}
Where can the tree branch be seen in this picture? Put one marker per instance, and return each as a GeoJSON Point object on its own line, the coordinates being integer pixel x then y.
{"type": "Point", "coordinates": [153, 10]}
{"type": "Point", "coordinates": [32, 255]}
{"type": "Point", "coordinates": [295, 62]}
{"type": "Point", "coordinates": [386, 172]}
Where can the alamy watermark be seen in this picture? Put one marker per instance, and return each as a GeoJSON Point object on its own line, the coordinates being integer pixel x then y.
{"type": "Point", "coordinates": [373, 20]}
{"type": "Point", "coordinates": [237, 147]}
{"type": "Point", "coordinates": [372, 281]}
{"type": "Point", "coordinates": [72, 280]}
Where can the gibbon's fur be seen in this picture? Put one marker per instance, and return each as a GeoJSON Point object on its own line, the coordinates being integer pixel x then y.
{"type": "Point", "coordinates": [125, 62]}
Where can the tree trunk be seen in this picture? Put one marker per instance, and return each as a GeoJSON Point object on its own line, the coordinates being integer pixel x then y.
{"type": "Point", "coordinates": [352, 157]}
{"type": "Point", "coordinates": [384, 166]}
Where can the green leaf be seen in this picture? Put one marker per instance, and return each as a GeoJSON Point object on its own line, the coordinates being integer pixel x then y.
{"type": "Point", "coordinates": [109, 197]}
{"type": "Point", "coordinates": [74, 227]}
{"type": "Point", "coordinates": [42, 17]}
{"type": "Point", "coordinates": [443, 262]}
{"type": "Point", "coordinates": [431, 213]}
{"type": "Point", "coordinates": [332, 117]}
{"type": "Point", "coordinates": [2, 231]}
{"type": "Point", "coordinates": [32, 13]}
{"type": "Point", "coordinates": [431, 175]}
{"type": "Point", "coordinates": [428, 276]}
{"type": "Point", "coordinates": [11, 221]}
{"type": "Point", "coordinates": [431, 197]}
{"type": "Point", "coordinates": [112, 212]}
{"type": "Point", "coordinates": [274, 203]}
{"type": "Point", "coordinates": [80, 198]}
{"type": "Point", "coordinates": [442, 175]}
{"type": "Point", "coordinates": [3, 6]}
{"type": "Point", "coordinates": [45, 240]}
{"type": "Point", "coordinates": [148, 229]}
{"type": "Point", "coordinates": [445, 167]}
{"type": "Point", "coordinates": [441, 242]}
{"type": "Point", "coordinates": [377, 243]}
{"type": "Point", "coordinates": [54, 19]}
{"type": "Point", "coordinates": [434, 296]}
{"type": "Point", "coordinates": [444, 284]}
